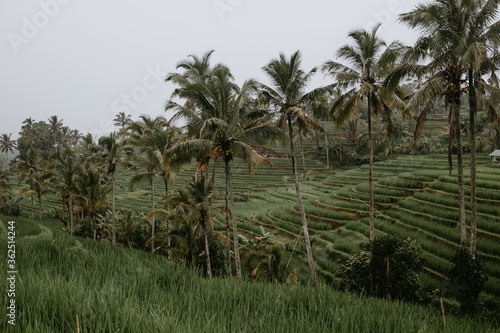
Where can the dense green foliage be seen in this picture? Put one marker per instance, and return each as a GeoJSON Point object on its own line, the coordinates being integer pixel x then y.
{"type": "Point", "coordinates": [466, 280]}
{"type": "Point", "coordinates": [390, 269]}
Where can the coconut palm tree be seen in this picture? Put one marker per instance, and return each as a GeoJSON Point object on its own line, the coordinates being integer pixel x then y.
{"type": "Point", "coordinates": [288, 95]}
{"type": "Point", "coordinates": [138, 136]}
{"type": "Point", "coordinates": [122, 120]}
{"type": "Point", "coordinates": [28, 166]}
{"type": "Point", "coordinates": [483, 38]}
{"type": "Point", "coordinates": [64, 164]}
{"type": "Point", "coordinates": [452, 44]}
{"type": "Point", "coordinates": [369, 60]}
{"type": "Point", "coordinates": [111, 153]}
{"type": "Point", "coordinates": [55, 130]}
{"type": "Point", "coordinates": [7, 144]}
{"type": "Point", "coordinates": [92, 188]}
{"type": "Point", "coordinates": [228, 126]}
{"type": "Point", "coordinates": [39, 185]}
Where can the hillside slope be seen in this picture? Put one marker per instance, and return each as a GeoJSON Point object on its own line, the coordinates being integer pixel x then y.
{"type": "Point", "coordinates": [111, 289]}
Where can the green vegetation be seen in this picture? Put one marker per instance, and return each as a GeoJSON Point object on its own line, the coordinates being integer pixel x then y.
{"type": "Point", "coordinates": [115, 289]}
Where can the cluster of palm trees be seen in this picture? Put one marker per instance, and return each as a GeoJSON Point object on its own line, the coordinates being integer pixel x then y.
{"type": "Point", "coordinates": [455, 55]}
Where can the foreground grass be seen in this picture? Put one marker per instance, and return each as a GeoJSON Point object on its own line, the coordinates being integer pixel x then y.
{"type": "Point", "coordinates": [114, 289]}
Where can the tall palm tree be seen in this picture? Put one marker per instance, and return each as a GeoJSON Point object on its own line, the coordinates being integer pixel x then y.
{"type": "Point", "coordinates": [28, 166]}
{"type": "Point", "coordinates": [55, 129]}
{"type": "Point", "coordinates": [197, 197]}
{"type": "Point", "coordinates": [111, 152]}
{"type": "Point", "coordinates": [227, 126]}
{"type": "Point", "coordinates": [92, 187]}
{"type": "Point", "coordinates": [122, 120]}
{"type": "Point", "coordinates": [451, 46]}
{"type": "Point", "coordinates": [369, 60]}
{"type": "Point", "coordinates": [64, 164]}
{"type": "Point", "coordinates": [288, 95]}
{"type": "Point", "coordinates": [483, 38]}
{"type": "Point", "coordinates": [7, 144]}
{"type": "Point", "coordinates": [138, 136]}
{"type": "Point", "coordinates": [39, 185]}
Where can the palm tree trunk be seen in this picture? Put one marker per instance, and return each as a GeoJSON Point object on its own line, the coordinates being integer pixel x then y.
{"type": "Point", "coordinates": [327, 150]}
{"type": "Point", "coordinates": [229, 191]}
{"type": "Point", "coordinates": [460, 165]}
{"type": "Point", "coordinates": [370, 173]}
{"type": "Point", "coordinates": [40, 207]}
{"type": "Point", "coordinates": [152, 182]}
{"type": "Point", "coordinates": [302, 153]}
{"type": "Point", "coordinates": [299, 200]}
{"type": "Point", "coordinates": [228, 235]}
{"type": "Point", "coordinates": [32, 211]}
{"type": "Point", "coordinates": [472, 139]}
{"type": "Point", "coordinates": [113, 206]}
{"type": "Point", "coordinates": [70, 214]}
{"type": "Point", "coordinates": [207, 251]}
{"type": "Point", "coordinates": [168, 210]}
{"type": "Point", "coordinates": [62, 212]}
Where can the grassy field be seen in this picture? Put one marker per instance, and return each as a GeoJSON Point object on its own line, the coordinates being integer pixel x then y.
{"type": "Point", "coordinates": [112, 289]}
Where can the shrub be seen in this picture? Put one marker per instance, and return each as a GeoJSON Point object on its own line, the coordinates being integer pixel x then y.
{"type": "Point", "coordinates": [390, 269]}
{"type": "Point", "coordinates": [466, 280]}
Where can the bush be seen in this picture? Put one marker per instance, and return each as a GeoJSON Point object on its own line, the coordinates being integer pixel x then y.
{"type": "Point", "coordinates": [466, 280]}
{"type": "Point", "coordinates": [389, 270]}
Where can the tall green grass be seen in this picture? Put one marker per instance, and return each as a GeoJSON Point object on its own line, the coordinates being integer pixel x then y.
{"type": "Point", "coordinates": [112, 289]}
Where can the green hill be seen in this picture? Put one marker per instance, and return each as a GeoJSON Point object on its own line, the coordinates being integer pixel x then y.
{"type": "Point", "coordinates": [63, 280]}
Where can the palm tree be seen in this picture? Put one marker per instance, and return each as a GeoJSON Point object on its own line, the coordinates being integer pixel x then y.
{"type": "Point", "coordinates": [130, 223]}
{"type": "Point", "coordinates": [92, 187]}
{"type": "Point", "coordinates": [111, 152]}
{"type": "Point", "coordinates": [7, 144]}
{"type": "Point", "coordinates": [452, 43]}
{"type": "Point", "coordinates": [197, 197]}
{"type": "Point", "coordinates": [482, 37]}
{"type": "Point", "coordinates": [226, 125]}
{"type": "Point", "coordinates": [55, 128]}
{"type": "Point", "coordinates": [40, 184]}
{"type": "Point", "coordinates": [362, 83]}
{"type": "Point", "coordinates": [122, 120]}
{"type": "Point", "coordinates": [64, 164]}
{"type": "Point", "coordinates": [288, 96]}
{"type": "Point", "coordinates": [28, 166]}
{"type": "Point", "coordinates": [138, 136]}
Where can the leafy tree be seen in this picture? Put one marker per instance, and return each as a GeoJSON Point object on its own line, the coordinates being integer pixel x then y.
{"type": "Point", "coordinates": [466, 280]}
{"type": "Point", "coordinates": [35, 136]}
{"type": "Point", "coordinates": [369, 61]}
{"type": "Point", "coordinates": [388, 270]}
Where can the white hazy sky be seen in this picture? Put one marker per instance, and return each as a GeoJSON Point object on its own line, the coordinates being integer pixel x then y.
{"type": "Point", "coordinates": [85, 61]}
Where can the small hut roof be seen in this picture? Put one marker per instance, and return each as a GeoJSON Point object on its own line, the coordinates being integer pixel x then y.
{"type": "Point", "coordinates": [495, 153]}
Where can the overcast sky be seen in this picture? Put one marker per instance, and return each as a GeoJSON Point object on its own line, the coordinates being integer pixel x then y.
{"type": "Point", "coordinates": [85, 61]}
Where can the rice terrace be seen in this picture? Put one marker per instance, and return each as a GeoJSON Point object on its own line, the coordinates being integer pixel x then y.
{"type": "Point", "coordinates": [369, 204]}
